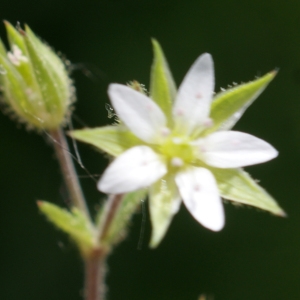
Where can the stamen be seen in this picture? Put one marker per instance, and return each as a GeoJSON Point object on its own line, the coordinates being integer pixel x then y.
{"type": "Point", "coordinates": [165, 131]}
{"type": "Point", "coordinates": [202, 148]}
{"type": "Point", "coordinates": [176, 162]}
{"type": "Point", "coordinates": [198, 95]}
{"type": "Point", "coordinates": [149, 107]}
{"type": "Point", "coordinates": [177, 140]}
{"type": "Point", "coordinates": [197, 188]}
{"type": "Point", "coordinates": [144, 163]}
{"type": "Point", "coordinates": [208, 122]}
{"type": "Point", "coordinates": [179, 112]}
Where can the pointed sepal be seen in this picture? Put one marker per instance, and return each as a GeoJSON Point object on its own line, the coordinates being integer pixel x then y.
{"type": "Point", "coordinates": [164, 203]}
{"type": "Point", "coordinates": [162, 85]}
{"type": "Point", "coordinates": [51, 75]}
{"type": "Point", "coordinates": [25, 68]}
{"type": "Point", "coordinates": [2, 48]}
{"type": "Point", "coordinates": [236, 185]}
{"type": "Point", "coordinates": [113, 140]}
{"type": "Point", "coordinates": [228, 106]}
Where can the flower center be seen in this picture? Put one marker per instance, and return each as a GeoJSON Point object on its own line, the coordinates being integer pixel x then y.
{"type": "Point", "coordinates": [177, 150]}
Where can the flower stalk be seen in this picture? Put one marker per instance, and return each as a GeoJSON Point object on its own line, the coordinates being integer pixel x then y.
{"type": "Point", "coordinates": [68, 171]}
{"type": "Point", "coordinates": [94, 286]}
{"type": "Point", "coordinates": [110, 210]}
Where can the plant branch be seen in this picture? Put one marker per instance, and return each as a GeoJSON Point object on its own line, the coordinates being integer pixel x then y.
{"type": "Point", "coordinates": [68, 171]}
{"type": "Point", "coordinates": [110, 210]}
{"type": "Point", "coordinates": [94, 287]}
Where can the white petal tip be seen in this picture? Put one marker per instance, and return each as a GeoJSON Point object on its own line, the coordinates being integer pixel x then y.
{"type": "Point", "coordinates": [274, 153]}
{"type": "Point", "coordinates": [233, 149]}
{"type": "Point", "coordinates": [282, 213]}
{"type": "Point", "coordinates": [218, 226]}
{"type": "Point", "coordinates": [102, 187]}
{"type": "Point", "coordinates": [200, 195]}
{"type": "Point", "coordinates": [206, 55]}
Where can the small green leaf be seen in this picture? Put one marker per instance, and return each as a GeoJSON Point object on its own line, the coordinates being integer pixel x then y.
{"type": "Point", "coordinates": [235, 101]}
{"type": "Point", "coordinates": [127, 208]}
{"type": "Point", "coordinates": [164, 202]}
{"type": "Point", "coordinates": [73, 222]}
{"type": "Point", "coordinates": [114, 140]}
{"type": "Point", "coordinates": [237, 185]}
{"type": "Point", "coordinates": [162, 86]}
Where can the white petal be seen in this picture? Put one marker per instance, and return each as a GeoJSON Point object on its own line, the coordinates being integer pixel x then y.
{"type": "Point", "coordinates": [140, 114]}
{"type": "Point", "coordinates": [194, 97]}
{"type": "Point", "coordinates": [233, 149]}
{"type": "Point", "coordinates": [200, 195]}
{"type": "Point", "coordinates": [136, 168]}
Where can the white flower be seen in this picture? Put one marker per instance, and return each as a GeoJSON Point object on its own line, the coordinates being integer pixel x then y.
{"type": "Point", "coordinates": [179, 150]}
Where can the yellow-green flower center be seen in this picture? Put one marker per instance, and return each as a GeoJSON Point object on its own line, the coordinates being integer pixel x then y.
{"type": "Point", "coordinates": [177, 151]}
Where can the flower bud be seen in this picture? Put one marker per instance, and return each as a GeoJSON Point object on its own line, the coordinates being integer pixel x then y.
{"type": "Point", "coordinates": [34, 80]}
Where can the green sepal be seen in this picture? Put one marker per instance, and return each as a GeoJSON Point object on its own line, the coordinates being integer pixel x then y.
{"type": "Point", "coordinates": [51, 76]}
{"type": "Point", "coordinates": [235, 101]}
{"type": "Point", "coordinates": [162, 85]}
{"type": "Point", "coordinates": [15, 38]}
{"type": "Point", "coordinates": [72, 222]}
{"type": "Point", "coordinates": [113, 140]}
{"type": "Point", "coordinates": [2, 48]}
{"type": "Point", "coordinates": [2, 69]}
{"type": "Point", "coordinates": [237, 185]}
{"type": "Point", "coordinates": [117, 229]}
{"type": "Point", "coordinates": [14, 88]}
{"type": "Point", "coordinates": [164, 203]}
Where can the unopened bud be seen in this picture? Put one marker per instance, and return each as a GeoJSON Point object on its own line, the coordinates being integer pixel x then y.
{"type": "Point", "coordinates": [34, 80]}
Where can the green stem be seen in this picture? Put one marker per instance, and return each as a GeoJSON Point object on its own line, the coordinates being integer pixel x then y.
{"type": "Point", "coordinates": [68, 171]}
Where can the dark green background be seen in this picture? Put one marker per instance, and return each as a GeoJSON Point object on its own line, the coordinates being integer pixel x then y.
{"type": "Point", "coordinates": [256, 256]}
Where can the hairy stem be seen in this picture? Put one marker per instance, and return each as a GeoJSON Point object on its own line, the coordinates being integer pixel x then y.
{"type": "Point", "coordinates": [94, 287]}
{"type": "Point", "coordinates": [110, 210]}
{"type": "Point", "coordinates": [68, 171]}
{"type": "Point", "coordinates": [95, 268]}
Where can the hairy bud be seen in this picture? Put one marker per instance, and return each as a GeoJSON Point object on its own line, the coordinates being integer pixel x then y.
{"type": "Point", "coordinates": [34, 80]}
